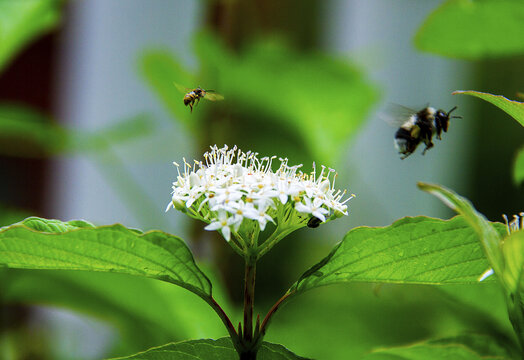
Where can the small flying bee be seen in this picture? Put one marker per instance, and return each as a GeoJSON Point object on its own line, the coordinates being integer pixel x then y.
{"type": "Point", "coordinates": [421, 126]}
{"type": "Point", "coordinates": [193, 96]}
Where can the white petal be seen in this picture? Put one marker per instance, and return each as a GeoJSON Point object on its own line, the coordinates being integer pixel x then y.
{"type": "Point", "coordinates": [213, 226]}
{"type": "Point", "coordinates": [302, 208]}
{"type": "Point", "coordinates": [319, 215]}
{"type": "Point", "coordinates": [226, 231]}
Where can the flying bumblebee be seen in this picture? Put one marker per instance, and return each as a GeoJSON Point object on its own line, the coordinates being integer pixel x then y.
{"type": "Point", "coordinates": [421, 126]}
{"type": "Point", "coordinates": [193, 96]}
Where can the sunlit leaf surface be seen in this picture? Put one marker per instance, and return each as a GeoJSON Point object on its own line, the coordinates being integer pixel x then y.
{"type": "Point", "coordinates": [206, 349]}
{"type": "Point", "coordinates": [417, 250]}
{"type": "Point", "coordinates": [473, 29]}
{"type": "Point", "coordinates": [486, 231]}
{"type": "Point", "coordinates": [38, 243]}
{"type": "Point", "coordinates": [514, 108]}
{"type": "Point", "coordinates": [22, 21]}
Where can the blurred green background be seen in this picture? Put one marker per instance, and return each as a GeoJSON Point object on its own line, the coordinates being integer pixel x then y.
{"type": "Point", "coordinates": [90, 122]}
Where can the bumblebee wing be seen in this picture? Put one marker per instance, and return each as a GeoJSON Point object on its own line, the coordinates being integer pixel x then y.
{"type": "Point", "coordinates": [213, 96]}
{"type": "Point", "coordinates": [181, 88]}
{"type": "Point", "coordinates": [395, 115]}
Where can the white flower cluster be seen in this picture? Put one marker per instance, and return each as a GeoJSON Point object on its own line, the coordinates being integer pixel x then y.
{"type": "Point", "coordinates": [230, 186]}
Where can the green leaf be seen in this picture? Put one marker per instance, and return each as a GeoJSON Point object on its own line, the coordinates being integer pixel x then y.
{"type": "Point", "coordinates": [37, 243]}
{"type": "Point", "coordinates": [205, 349]}
{"type": "Point", "coordinates": [487, 233]}
{"type": "Point", "coordinates": [468, 347]}
{"type": "Point", "coordinates": [514, 108]}
{"type": "Point", "coordinates": [473, 29]}
{"type": "Point", "coordinates": [518, 167]}
{"type": "Point", "coordinates": [22, 21]}
{"type": "Point", "coordinates": [513, 252]}
{"type": "Point", "coordinates": [417, 250]}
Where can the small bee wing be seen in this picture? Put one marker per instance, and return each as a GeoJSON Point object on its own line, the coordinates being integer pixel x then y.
{"type": "Point", "coordinates": [181, 88]}
{"type": "Point", "coordinates": [395, 115]}
{"type": "Point", "coordinates": [213, 96]}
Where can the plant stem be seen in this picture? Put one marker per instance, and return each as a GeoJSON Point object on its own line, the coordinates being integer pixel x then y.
{"type": "Point", "coordinates": [249, 299]}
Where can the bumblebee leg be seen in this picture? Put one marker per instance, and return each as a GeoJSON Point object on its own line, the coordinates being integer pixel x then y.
{"type": "Point", "coordinates": [428, 146]}
{"type": "Point", "coordinates": [191, 106]}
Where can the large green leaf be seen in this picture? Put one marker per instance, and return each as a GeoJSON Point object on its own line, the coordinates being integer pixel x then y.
{"type": "Point", "coordinates": [417, 250]}
{"type": "Point", "coordinates": [487, 233]}
{"type": "Point", "coordinates": [470, 347]}
{"type": "Point", "coordinates": [518, 167]}
{"type": "Point", "coordinates": [206, 349]}
{"type": "Point", "coordinates": [25, 132]}
{"type": "Point", "coordinates": [22, 21]}
{"type": "Point", "coordinates": [514, 108]}
{"type": "Point", "coordinates": [473, 29]}
{"type": "Point", "coordinates": [37, 243]}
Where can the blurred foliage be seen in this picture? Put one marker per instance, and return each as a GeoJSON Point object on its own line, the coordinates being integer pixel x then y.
{"type": "Point", "coordinates": [145, 312]}
{"type": "Point", "coordinates": [28, 133]}
{"type": "Point", "coordinates": [518, 167]}
{"type": "Point", "coordinates": [468, 347]}
{"type": "Point", "coordinates": [473, 29]}
{"type": "Point", "coordinates": [317, 99]}
{"type": "Point", "coordinates": [514, 108]}
{"type": "Point", "coordinates": [23, 21]}
{"type": "Point", "coordinates": [10, 216]}
{"type": "Point", "coordinates": [349, 321]}
{"type": "Point", "coordinates": [205, 349]}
